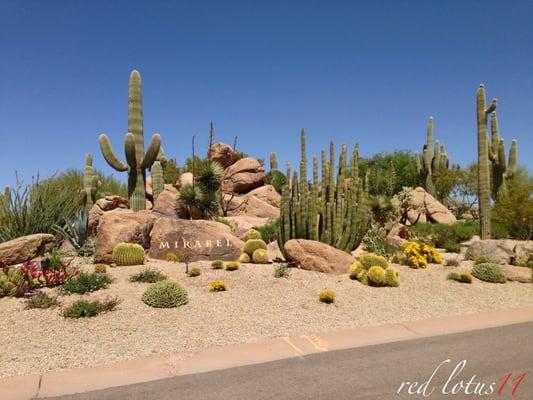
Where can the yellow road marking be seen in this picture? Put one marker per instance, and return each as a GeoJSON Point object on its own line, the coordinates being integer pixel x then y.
{"type": "Point", "coordinates": [298, 350]}
{"type": "Point", "coordinates": [317, 342]}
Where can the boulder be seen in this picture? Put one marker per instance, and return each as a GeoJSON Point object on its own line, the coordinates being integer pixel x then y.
{"type": "Point", "coordinates": [148, 186]}
{"type": "Point", "coordinates": [103, 205]}
{"type": "Point", "coordinates": [223, 154]}
{"type": "Point", "coordinates": [167, 204]}
{"type": "Point", "coordinates": [435, 211]}
{"type": "Point", "coordinates": [274, 252]}
{"type": "Point", "coordinates": [517, 274]}
{"type": "Point", "coordinates": [185, 179]}
{"type": "Point", "coordinates": [499, 251]}
{"type": "Point", "coordinates": [26, 248]}
{"type": "Point", "coordinates": [267, 194]}
{"type": "Point", "coordinates": [243, 223]}
{"type": "Point", "coordinates": [263, 202]}
{"type": "Point", "coordinates": [243, 176]}
{"type": "Point", "coordinates": [122, 226]}
{"type": "Point", "coordinates": [194, 240]}
{"type": "Point", "coordinates": [317, 256]}
{"type": "Point", "coordinates": [523, 249]}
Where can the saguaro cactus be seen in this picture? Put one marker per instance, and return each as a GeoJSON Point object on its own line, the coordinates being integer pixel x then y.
{"type": "Point", "coordinates": [137, 161]}
{"type": "Point", "coordinates": [90, 183]}
{"type": "Point", "coordinates": [158, 180]}
{"type": "Point", "coordinates": [273, 161]}
{"type": "Point", "coordinates": [483, 161]}
{"type": "Point", "coordinates": [434, 158]}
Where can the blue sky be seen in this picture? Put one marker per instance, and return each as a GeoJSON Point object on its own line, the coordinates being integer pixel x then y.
{"type": "Point", "coordinates": [349, 71]}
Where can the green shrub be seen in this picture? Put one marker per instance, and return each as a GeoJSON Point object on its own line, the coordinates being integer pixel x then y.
{"type": "Point", "coordinates": [84, 283]}
{"type": "Point", "coordinates": [489, 272]}
{"type": "Point", "coordinates": [90, 308]}
{"type": "Point", "coordinates": [442, 235]}
{"type": "Point", "coordinates": [54, 259]}
{"type": "Point", "coordinates": [269, 231]}
{"type": "Point", "coordinates": [483, 260]}
{"type": "Point", "coordinates": [452, 247]}
{"type": "Point", "coordinates": [217, 286]}
{"type": "Point", "coordinates": [260, 256]}
{"type": "Point", "coordinates": [326, 296]}
{"type": "Point", "coordinates": [226, 221]}
{"type": "Point", "coordinates": [194, 271]}
{"type": "Point", "coordinates": [281, 271]}
{"type": "Point", "coordinates": [245, 258]}
{"type": "Point", "coordinates": [368, 260]}
{"type": "Point", "coordinates": [254, 244]}
{"type": "Point", "coordinates": [232, 266]}
{"type": "Point", "coordinates": [217, 264]}
{"type": "Point", "coordinates": [100, 268]}
{"type": "Point", "coordinates": [375, 241]}
{"type": "Point", "coordinates": [452, 262]}
{"type": "Point", "coordinates": [148, 275]}
{"type": "Point", "coordinates": [165, 294]}
{"type": "Point", "coordinates": [276, 179]}
{"type": "Point", "coordinates": [252, 234]}
{"type": "Point", "coordinates": [41, 300]}
{"type": "Point", "coordinates": [128, 254]}
{"type": "Point", "coordinates": [463, 277]}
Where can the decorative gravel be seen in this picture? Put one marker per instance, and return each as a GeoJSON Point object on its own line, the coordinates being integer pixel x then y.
{"type": "Point", "coordinates": [255, 306]}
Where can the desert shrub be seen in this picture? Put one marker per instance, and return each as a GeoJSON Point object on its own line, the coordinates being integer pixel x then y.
{"type": "Point", "coordinates": [217, 286]}
{"type": "Point", "coordinates": [276, 179]}
{"type": "Point", "coordinates": [245, 258]}
{"type": "Point", "coordinates": [41, 300]}
{"type": "Point", "coordinates": [252, 234]}
{"type": "Point", "coordinates": [232, 266]}
{"type": "Point", "coordinates": [384, 208]}
{"type": "Point", "coordinates": [226, 221]}
{"type": "Point", "coordinates": [376, 276]}
{"type": "Point", "coordinates": [76, 232]}
{"type": "Point", "coordinates": [463, 277]}
{"type": "Point", "coordinates": [171, 257]}
{"type": "Point", "coordinates": [440, 235]}
{"type": "Point", "coordinates": [128, 254]}
{"type": "Point", "coordinates": [148, 275]}
{"type": "Point", "coordinates": [375, 241]}
{"type": "Point", "coordinates": [53, 259]}
{"type": "Point", "coordinates": [369, 260]}
{"type": "Point", "coordinates": [452, 247]}
{"type": "Point", "coordinates": [483, 260]}
{"type": "Point", "coordinates": [165, 294]}
{"type": "Point", "coordinates": [524, 261]}
{"type": "Point", "coordinates": [252, 245]}
{"type": "Point", "coordinates": [260, 256]}
{"type": "Point", "coordinates": [194, 271]}
{"type": "Point", "coordinates": [452, 262]}
{"type": "Point", "coordinates": [326, 296]}
{"type": "Point", "coordinates": [90, 308]}
{"type": "Point", "coordinates": [217, 264]}
{"type": "Point", "coordinates": [85, 283]}
{"type": "Point", "coordinates": [269, 231]}
{"type": "Point", "coordinates": [281, 271]}
{"type": "Point", "coordinates": [419, 254]}
{"type": "Point", "coordinates": [100, 268]}
{"type": "Point", "coordinates": [489, 272]}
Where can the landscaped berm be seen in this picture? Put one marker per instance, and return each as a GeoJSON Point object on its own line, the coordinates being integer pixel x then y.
{"type": "Point", "coordinates": [222, 251]}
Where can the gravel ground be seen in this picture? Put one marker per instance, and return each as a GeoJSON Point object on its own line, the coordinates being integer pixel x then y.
{"type": "Point", "coordinates": [256, 306]}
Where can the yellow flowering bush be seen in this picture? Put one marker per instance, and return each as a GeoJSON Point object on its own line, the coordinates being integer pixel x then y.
{"type": "Point", "coordinates": [420, 254]}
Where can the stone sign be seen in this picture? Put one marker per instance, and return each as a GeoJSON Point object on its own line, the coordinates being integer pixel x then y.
{"type": "Point", "coordinates": [194, 240]}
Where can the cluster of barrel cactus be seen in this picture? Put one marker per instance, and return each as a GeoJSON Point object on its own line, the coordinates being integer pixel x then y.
{"type": "Point", "coordinates": [255, 248]}
{"type": "Point", "coordinates": [333, 210]}
{"type": "Point", "coordinates": [434, 159]}
{"type": "Point", "coordinates": [128, 254]}
{"type": "Point", "coordinates": [491, 160]}
{"type": "Point", "coordinates": [374, 270]}
{"type": "Point", "coordinates": [137, 160]}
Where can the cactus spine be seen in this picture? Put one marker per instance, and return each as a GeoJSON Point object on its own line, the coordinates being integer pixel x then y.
{"type": "Point", "coordinates": [434, 159]}
{"type": "Point", "coordinates": [90, 183]}
{"type": "Point", "coordinates": [483, 161]}
{"type": "Point", "coordinates": [333, 211]}
{"type": "Point", "coordinates": [137, 161]}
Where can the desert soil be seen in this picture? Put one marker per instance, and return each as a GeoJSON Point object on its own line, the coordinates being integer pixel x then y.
{"type": "Point", "coordinates": [256, 306]}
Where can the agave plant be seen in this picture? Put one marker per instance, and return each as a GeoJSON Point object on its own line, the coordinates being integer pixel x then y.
{"type": "Point", "coordinates": [76, 232]}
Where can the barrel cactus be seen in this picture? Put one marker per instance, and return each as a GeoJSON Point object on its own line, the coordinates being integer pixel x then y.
{"type": "Point", "coordinates": [128, 254]}
{"type": "Point", "coordinates": [165, 294]}
{"type": "Point", "coordinates": [260, 256]}
{"type": "Point", "coordinates": [252, 245]}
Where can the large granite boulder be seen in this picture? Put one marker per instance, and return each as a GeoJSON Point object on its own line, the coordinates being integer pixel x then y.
{"type": "Point", "coordinates": [243, 223]}
{"type": "Point", "coordinates": [267, 194]}
{"type": "Point", "coordinates": [263, 202]}
{"type": "Point", "coordinates": [122, 226]}
{"type": "Point", "coordinates": [186, 178]}
{"type": "Point", "coordinates": [434, 210]}
{"type": "Point", "coordinates": [194, 240]}
{"type": "Point", "coordinates": [499, 251]}
{"type": "Point", "coordinates": [26, 248]}
{"type": "Point", "coordinates": [523, 249]}
{"type": "Point", "coordinates": [243, 176]}
{"type": "Point", "coordinates": [223, 154]}
{"type": "Point", "coordinates": [317, 256]}
{"type": "Point", "coordinates": [517, 274]}
{"type": "Point", "coordinates": [103, 205]}
{"type": "Point", "coordinates": [167, 204]}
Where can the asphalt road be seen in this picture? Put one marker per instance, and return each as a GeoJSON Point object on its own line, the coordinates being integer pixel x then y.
{"type": "Point", "coordinates": [374, 372]}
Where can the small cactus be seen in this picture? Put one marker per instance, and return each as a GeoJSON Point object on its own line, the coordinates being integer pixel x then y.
{"type": "Point", "coordinates": [232, 266]}
{"type": "Point", "coordinates": [194, 271]}
{"type": "Point", "coordinates": [245, 258]}
{"type": "Point", "coordinates": [376, 276]}
{"type": "Point", "coordinates": [128, 254]}
{"type": "Point", "coordinates": [171, 257]}
{"type": "Point", "coordinates": [252, 234]}
{"type": "Point", "coordinates": [217, 264]}
{"type": "Point", "coordinates": [326, 296]}
{"type": "Point", "coordinates": [217, 286]}
{"type": "Point", "coordinates": [100, 268]}
{"type": "Point", "coordinates": [260, 256]}
{"type": "Point", "coordinates": [252, 245]}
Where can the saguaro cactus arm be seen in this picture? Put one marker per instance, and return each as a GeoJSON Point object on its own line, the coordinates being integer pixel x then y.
{"type": "Point", "coordinates": [109, 155]}
{"type": "Point", "coordinates": [152, 152]}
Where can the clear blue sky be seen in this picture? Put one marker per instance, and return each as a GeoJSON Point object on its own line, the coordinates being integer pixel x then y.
{"type": "Point", "coordinates": [349, 71]}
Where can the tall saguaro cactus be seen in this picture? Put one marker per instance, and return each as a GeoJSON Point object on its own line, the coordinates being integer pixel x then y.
{"type": "Point", "coordinates": [483, 161]}
{"type": "Point", "coordinates": [90, 183]}
{"type": "Point", "coordinates": [137, 161]}
{"type": "Point", "coordinates": [434, 159]}
{"type": "Point", "coordinates": [158, 181]}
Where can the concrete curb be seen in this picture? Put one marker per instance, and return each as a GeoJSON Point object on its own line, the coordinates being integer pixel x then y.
{"type": "Point", "coordinates": [129, 372]}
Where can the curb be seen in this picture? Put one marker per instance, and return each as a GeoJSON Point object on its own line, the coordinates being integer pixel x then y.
{"type": "Point", "coordinates": [129, 372]}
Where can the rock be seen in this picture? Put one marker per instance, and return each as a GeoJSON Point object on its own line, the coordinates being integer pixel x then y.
{"type": "Point", "coordinates": [26, 248]}
{"type": "Point", "coordinates": [167, 204]}
{"type": "Point", "coordinates": [500, 251]}
{"type": "Point", "coordinates": [435, 211]}
{"type": "Point", "coordinates": [523, 249]}
{"type": "Point", "coordinates": [399, 230]}
{"type": "Point", "coordinates": [274, 252]}
{"type": "Point", "coordinates": [263, 202]}
{"type": "Point", "coordinates": [517, 274]}
{"type": "Point", "coordinates": [103, 205]}
{"type": "Point", "coordinates": [317, 256]}
{"type": "Point", "coordinates": [267, 194]}
{"type": "Point", "coordinates": [122, 226]}
{"type": "Point", "coordinates": [359, 250]}
{"type": "Point", "coordinates": [396, 242]}
{"type": "Point", "coordinates": [195, 239]}
{"type": "Point", "coordinates": [186, 178]}
{"type": "Point", "coordinates": [243, 223]}
{"type": "Point", "coordinates": [415, 217]}
{"type": "Point", "coordinates": [243, 176]}
{"type": "Point", "coordinates": [223, 154]}
{"type": "Point", "coordinates": [149, 189]}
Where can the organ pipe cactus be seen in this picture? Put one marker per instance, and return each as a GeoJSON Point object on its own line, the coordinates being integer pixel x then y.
{"type": "Point", "coordinates": [333, 211]}
{"type": "Point", "coordinates": [137, 160]}
{"type": "Point", "coordinates": [90, 183]}
{"type": "Point", "coordinates": [434, 159]}
{"type": "Point", "coordinates": [158, 180]}
{"type": "Point", "coordinates": [483, 161]}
